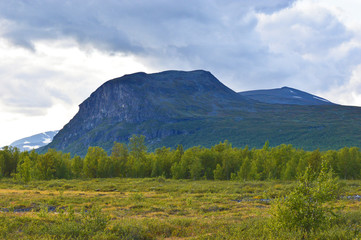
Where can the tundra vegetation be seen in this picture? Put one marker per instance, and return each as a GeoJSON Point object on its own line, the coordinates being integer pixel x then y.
{"type": "Point", "coordinates": [271, 193]}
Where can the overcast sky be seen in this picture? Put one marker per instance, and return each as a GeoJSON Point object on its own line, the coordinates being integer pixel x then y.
{"type": "Point", "coordinates": [54, 54]}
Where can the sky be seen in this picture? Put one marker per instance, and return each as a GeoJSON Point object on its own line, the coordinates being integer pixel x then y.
{"type": "Point", "coordinates": [54, 54]}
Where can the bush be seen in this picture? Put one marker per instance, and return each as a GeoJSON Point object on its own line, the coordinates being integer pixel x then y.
{"type": "Point", "coordinates": [304, 209]}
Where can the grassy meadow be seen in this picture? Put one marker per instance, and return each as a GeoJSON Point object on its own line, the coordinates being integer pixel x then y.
{"type": "Point", "coordinates": [158, 208]}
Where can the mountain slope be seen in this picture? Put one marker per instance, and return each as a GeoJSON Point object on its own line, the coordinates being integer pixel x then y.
{"type": "Point", "coordinates": [194, 108]}
{"type": "Point", "coordinates": [145, 104]}
{"type": "Point", "coordinates": [285, 95]}
{"type": "Point", "coordinates": [34, 141]}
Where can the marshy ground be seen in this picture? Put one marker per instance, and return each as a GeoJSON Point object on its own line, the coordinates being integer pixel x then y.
{"type": "Point", "coordinates": [157, 208]}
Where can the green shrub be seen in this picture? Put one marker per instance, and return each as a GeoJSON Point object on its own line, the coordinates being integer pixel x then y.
{"type": "Point", "coordinates": [304, 208]}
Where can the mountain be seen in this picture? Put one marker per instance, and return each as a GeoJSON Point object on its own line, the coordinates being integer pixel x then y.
{"type": "Point", "coordinates": [285, 95]}
{"type": "Point", "coordinates": [194, 108]}
{"type": "Point", "coordinates": [34, 141]}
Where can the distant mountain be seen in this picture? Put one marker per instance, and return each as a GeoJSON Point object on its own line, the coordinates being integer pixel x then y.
{"type": "Point", "coordinates": [285, 95]}
{"type": "Point", "coordinates": [34, 141]}
{"type": "Point", "coordinates": [195, 108]}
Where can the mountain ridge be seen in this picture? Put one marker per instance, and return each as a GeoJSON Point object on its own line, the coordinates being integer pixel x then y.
{"type": "Point", "coordinates": [195, 108]}
{"type": "Point", "coordinates": [285, 95]}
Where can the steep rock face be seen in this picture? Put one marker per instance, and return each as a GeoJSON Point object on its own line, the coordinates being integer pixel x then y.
{"type": "Point", "coordinates": [162, 96]}
{"type": "Point", "coordinates": [117, 108]}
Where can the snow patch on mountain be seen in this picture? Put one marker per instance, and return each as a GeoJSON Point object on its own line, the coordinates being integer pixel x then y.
{"type": "Point", "coordinates": [321, 99]}
{"type": "Point", "coordinates": [28, 147]}
{"type": "Point", "coordinates": [47, 140]}
{"type": "Point", "coordinates": [35, 141]}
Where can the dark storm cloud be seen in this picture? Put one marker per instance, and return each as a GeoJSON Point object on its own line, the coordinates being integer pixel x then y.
{"type": "Point", "coordinates": [88, 23]}
{"type": "Point", "coordinates": [127, 26]}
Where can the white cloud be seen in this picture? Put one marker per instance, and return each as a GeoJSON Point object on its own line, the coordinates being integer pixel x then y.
{"type": "Point", "coordinates": [14, 126]}
{"type": "Point", "coordinates": [348, 93]}
{"type": "Point", "coordinates": [310, 40]}
{"type": "Point", "coordinates": [56, 71]}
{"type": "Point", "coordinates": [347, 11]}
{"type": "Point", "coordinates": [41, 89]}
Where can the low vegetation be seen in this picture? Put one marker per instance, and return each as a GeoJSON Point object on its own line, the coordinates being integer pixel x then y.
{"type": "Point", "coordinates": [220, 162]}
{"type": "Point", "coordinates": [159, 208]}
{"type": "Point", "coordinates": [271, 193]}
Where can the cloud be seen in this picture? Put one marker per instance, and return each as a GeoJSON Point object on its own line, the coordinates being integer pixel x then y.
{"type": "Point", "coordinates": [55, 53]}
{"type": "Point", "coordinates": [40, 90]}
{"type": "Point", "coordinates": [214, 35]}
{"type": "Point", "coordinates": [349, 92]}
{"type": "Point", "coordinates": [311, 42]}
{"type": "Point", "coordinates": [32, 82]}
{"type": "Point", "coordinates": [127, 26]}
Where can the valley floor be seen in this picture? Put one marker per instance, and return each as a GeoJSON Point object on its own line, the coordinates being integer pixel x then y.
{"type": "Point", "coordinates": [157, 208]}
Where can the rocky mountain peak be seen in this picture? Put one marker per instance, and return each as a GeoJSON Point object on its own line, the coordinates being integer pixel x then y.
{"type": "Point", "coordinates": [141, 98]}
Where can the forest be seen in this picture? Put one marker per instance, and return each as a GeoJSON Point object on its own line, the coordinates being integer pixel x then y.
{"type": "Point", "coordinates": [220, 162]}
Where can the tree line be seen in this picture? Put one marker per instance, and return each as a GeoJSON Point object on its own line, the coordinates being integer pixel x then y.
{"type": "Point", "coordinates": [220, 162]}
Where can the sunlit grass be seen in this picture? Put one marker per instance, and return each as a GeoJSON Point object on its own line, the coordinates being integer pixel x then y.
{"type": "Point", "coordinates": [151, 209]}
